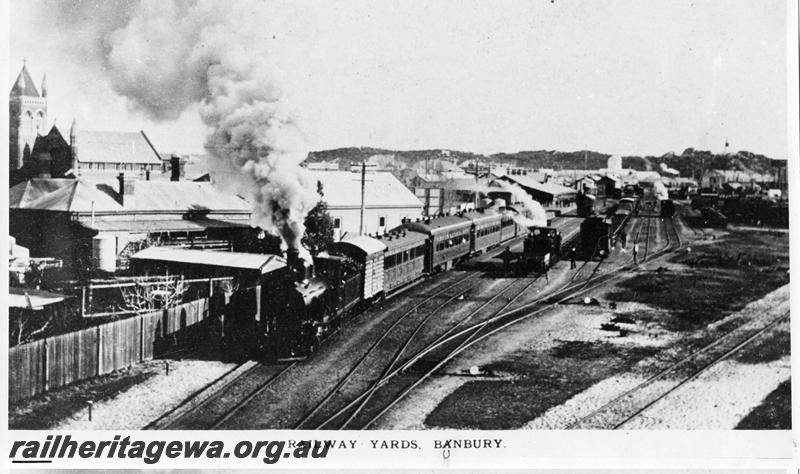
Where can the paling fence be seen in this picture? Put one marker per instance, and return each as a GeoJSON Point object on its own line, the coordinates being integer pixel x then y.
{"type": "Point", "coordinates": [50, 363]}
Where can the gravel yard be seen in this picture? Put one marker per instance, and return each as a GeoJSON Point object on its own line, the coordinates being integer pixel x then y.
{"type": "Point", "coordinates": [128, 399]}
{"type": "Point", "coordinates": [560, 365]}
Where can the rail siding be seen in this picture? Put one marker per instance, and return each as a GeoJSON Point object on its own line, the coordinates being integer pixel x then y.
{"type": "Point", "coordinates": [57, 361]}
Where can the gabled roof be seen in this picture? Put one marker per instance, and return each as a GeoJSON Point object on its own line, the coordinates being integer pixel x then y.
{"type": "Point", "coordinates": [342, 189]}
{"type": "Point", "coordinates": [115, 147]}
{"type": "Point", "coordinates": [549, 188]}
{"type": "Point", "coordinates": [24, 84]}
{"type": "Point", "coordinates": [265, 263]}
{"type": "Point", "coordinates": [84, 196]}
{"type": "Point", "coordinates": [50, 142]}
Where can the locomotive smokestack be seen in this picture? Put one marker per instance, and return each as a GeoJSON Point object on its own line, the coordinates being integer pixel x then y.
{"type": "Point", "coordinates": [297, 265]}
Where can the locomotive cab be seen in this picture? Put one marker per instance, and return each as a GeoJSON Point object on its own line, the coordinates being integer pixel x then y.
{"type": "Point", "coordinates": [542, 247]}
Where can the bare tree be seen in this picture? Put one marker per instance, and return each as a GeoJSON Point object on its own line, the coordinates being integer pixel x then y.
{"type": "Point", "coordinates": [148, 295]}
{"type": "Point", "coordinates": [27, 324]}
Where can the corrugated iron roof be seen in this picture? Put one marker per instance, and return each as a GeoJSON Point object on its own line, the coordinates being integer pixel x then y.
{"type": "Point", "coordinates": [342, 189]}
{"type": "Point", "coordinates": [247, 261]}
{"type": "Point", "coordinates": [82, 195]}
{"type": "Point", "coordinates": [172, 225]}
{"type": "Point", "coordinates": [549, 188]}
{"type": "Point", "coordinates": [94, 146]}
{"type": "Point", "coordinates": [36, 299]}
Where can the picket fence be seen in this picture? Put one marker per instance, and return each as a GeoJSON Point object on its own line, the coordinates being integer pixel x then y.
{"type": "Point", "coordinates": [50, 363]}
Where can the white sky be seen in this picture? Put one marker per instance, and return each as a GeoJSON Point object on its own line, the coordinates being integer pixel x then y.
{"type": "Point", "coordinates": [628, 77]}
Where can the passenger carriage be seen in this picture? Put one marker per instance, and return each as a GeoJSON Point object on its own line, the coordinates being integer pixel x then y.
{"type": "Point", "coordinates": [486, 226]}
{"type": "Point", "coordinates": [449, 240]}
{"type": "Point", "coordinates": [404, 258]}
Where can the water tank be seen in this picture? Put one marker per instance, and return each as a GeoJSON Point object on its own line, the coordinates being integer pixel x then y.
{"type": "Point", "coordinates": [104, 253]}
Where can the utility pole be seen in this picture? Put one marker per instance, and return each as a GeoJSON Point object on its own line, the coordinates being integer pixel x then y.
{"type": "Point", "coordinates": [476, 182]}
{"type": "Point", "coordinates": [363, 183]}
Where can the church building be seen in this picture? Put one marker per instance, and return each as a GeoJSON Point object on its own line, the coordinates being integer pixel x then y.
{"type": "Point", "coordinates": [27, 118]}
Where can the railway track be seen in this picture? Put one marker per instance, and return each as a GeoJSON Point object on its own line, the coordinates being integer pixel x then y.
{"type": "Point", "coordinates": [395, 385]}
{"type": "Point", "coordinates": [220, 400]}
{"type": "Point", "coordinates": [398, 361]}
{"type": "Point", "coordinates": [632, 403]}
{"type": "Point", "coordinates": [221, 404]}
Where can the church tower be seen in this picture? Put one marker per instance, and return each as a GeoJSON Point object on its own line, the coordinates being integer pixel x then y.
{"type": "Point", "coordinates": [27, 117]}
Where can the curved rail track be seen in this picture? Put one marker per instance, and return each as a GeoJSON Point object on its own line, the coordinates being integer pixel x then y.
{"type": "Point", "coordinates": [351, 403]}
{"type": "Point", "coordinates": [630, 404]}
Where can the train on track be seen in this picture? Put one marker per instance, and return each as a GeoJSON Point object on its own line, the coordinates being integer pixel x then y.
{"type": "Point", "coordinates": [310, 299]}
{"type": "Point", "coordinates": [586, 204]}
{"type": "Point", "coordinates": [541, 249]}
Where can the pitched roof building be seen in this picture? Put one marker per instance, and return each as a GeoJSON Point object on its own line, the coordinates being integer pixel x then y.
{"type": "Point", "coordinates": [386, 201]}
{"type": "Point", "coordinates": [68, 218]}
{"type": "Point", "coordinates": [99, 153]}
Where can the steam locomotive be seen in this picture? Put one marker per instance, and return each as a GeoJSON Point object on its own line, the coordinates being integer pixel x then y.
{"type": "Point", "coordinates": [542, 248]}
{"type": "Point", "coordinates": [307, 303]}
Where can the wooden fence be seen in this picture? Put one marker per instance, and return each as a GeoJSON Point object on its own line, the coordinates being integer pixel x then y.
{"type": "Point", "coordinates": [61, 360]}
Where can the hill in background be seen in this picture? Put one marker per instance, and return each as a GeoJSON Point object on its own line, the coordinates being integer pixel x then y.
{"type": "Point", "coordinates": [689, 163]}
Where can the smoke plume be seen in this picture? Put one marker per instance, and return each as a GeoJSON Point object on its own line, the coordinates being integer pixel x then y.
{"type": "Point", "coordinates": [222, 58]}
{"type": "Point", "coordinates": [660, 190]}
{"type": "Point", "coordinates": [538, 214]}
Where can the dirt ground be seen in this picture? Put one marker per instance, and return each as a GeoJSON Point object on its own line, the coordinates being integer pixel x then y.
{"type": "Point", "coordinates": [126, 399]}
{"type": "Point", "coordinates": [544, 366]}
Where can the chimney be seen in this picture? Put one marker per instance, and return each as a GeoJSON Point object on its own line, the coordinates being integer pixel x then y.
{"type": "Point", "coordinates": [175, 168]}
{"type": "Point", "coordinates": [126, 190]}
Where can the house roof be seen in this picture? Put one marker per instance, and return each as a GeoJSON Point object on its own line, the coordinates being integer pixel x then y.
{"type": "Point", "coordinates": [83, 195]}
{"type": "Point", "coordinates": [155, 225]}
{"type": "Point", "coordinates": [549, 188]}
{"type": "Point", "coordinates": [342, 189]}
{"type": "Point", "coordinates": [115, 147]}
{"type": "Point", "coordinates": [245, 261]}
{"type": "Point", "coordinates": [24, 84]}
{"type": "Point", "coordinates": [35, 299]}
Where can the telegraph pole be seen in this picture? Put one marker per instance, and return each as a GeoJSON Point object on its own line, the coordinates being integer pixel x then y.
{"type": "Point", "coordinates": [363, 183]}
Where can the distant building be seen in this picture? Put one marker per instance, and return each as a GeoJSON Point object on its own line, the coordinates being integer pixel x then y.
{"type": "Point", "coordinates": [717, 179]}
{"type": "Point", "coordinates": [450, 196]}
{"type": "Point", "coordinates": [106, 154]}
{"type": "Point", "coordinates": [97, 224]}
{"type": "Point", "coordinates": [323, 166]}
{"type": "Point", "coordinates": [386, 201]}
{"type": "Point", "coordinates": [545, 193]}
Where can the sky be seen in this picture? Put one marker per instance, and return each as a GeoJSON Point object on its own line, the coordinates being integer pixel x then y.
{"type": "Point", "coordinates": [621, 77]}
